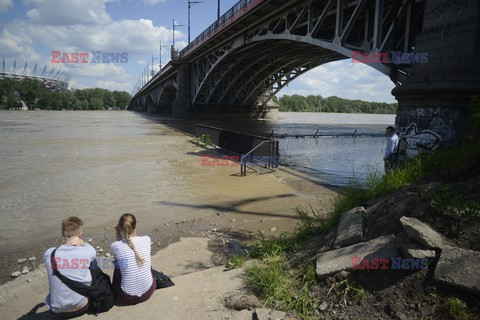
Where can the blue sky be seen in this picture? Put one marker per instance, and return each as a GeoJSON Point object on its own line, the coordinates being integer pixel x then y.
{"type": "Point", "coordinates": [31, 29]}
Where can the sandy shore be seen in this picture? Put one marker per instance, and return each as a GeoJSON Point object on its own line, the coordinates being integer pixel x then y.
{"type": "Point", "coordinates": [216, 204]}
{"type": "Point", "coordinates": [198, 293]}
{"type": "Point", "coordinates": [199, 195]}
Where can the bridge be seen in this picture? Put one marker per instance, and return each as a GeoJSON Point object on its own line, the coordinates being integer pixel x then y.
{"type": "Point", "coordinates": [255, 49]}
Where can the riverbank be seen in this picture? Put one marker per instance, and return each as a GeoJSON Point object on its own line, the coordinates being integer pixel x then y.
{"type": "Point", "coordinates": [137, 166]}
{"type": "Point", "coordinates": [198, 293]}
{"type": "Point", "coordinates": [406, 247]}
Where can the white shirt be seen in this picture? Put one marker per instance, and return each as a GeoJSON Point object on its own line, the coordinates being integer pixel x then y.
{"type": "Point", "coordinates": [136, 279]}
{"type": "Point", "coordinates": [73, 263]}
{"type": "Point", "coordinates": [392, 143]}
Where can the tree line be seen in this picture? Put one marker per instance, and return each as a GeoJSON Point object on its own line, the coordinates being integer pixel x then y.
{"type": "Point", "coordinates": [34, 94]}
{"type": "Point", "coordinates": [298, 103]}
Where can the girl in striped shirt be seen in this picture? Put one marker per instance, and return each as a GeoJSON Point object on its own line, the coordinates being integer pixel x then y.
{"type": "Point", "coordinates": [133, 281]}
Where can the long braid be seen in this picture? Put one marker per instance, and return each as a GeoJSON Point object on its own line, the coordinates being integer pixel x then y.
{"type": "Point", "coordinates": [126, 232]}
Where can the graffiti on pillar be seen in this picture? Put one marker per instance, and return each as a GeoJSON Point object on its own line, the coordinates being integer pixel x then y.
{"type": "Point", "coordinates": [448, 9]}
{"type": "Point", "coordinates": [419, 141]}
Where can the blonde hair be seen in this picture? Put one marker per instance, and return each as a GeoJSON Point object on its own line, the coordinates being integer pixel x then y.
{"type": "Point", "coordinates": [127, 224]}
{"type": "Point", "coordinates": [72, 226]}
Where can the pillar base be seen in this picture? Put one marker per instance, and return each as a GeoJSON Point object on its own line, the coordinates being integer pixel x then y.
{"type": "Point", "coordinates": [181, 109]}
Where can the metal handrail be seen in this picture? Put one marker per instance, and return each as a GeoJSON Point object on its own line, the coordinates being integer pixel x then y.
{"type": "Point", "coordinates": [243, 167]}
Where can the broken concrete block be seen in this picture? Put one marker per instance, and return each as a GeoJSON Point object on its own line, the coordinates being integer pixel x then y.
{"type": "Point", "coordinates": [412, 249]}
{"type": "Point", "coordinates": [16, 274]}
{"type": "Point", "coordinates": [242, 315]}
{"type": "Point", "coordinates": [267, 314]}
{"type": "Point", "coordinates": [350, 228]}
{"type": "Point", "coordinates": [422, 232]}
{"type": "Point", "coordinates": [459, 268]}
{"type": "Point", "coordinates": [331, 262]}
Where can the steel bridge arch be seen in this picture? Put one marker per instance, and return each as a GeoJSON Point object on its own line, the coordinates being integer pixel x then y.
{"type": "Point", "coordinates": [357, 26]}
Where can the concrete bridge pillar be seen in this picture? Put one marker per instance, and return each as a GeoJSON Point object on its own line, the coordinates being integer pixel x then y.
{"type": "Point", "coordinates": [181, 105]}
{"type": "Point", "coordinates": [434, 102]}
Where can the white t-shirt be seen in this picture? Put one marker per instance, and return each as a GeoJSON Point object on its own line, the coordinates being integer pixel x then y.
{"type": "Point", "coordinates": [73, 263]}
{"type": "Point", "coordinates": [136, 279]}
{"type": "Point", "coordinates": [392, 144]}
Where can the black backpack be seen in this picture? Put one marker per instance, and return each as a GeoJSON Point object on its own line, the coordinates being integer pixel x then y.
{"type": "Point", "coordinates": [99, 293]}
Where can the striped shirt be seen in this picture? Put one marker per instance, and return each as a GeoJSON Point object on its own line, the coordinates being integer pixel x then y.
{"type": "Point", "coordinates": [136, 279]}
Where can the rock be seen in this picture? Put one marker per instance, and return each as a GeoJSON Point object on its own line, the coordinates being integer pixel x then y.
{"type": "Point", "coordinates": [25, 270]}
{"type": "Point", "coordinates": [241, 301]}
{"type": "Point", "coordinates": [234, 220]}
{"type": "Point", "coordinates": [350, 228]}
{"type": "Point", "coordinates": [16, 274]}
{"type": "Point", "coordinates": [267, 314]}
{"type": "Point", "coordinates": [342, 275]}
{"type": "Point", "coordinates": [412, 249]}
{"type": "Point", "coordinates": [29, 280]}
{"type": "Point", "coordinates": [107, 255]}
{"type": "Point", "coordinates": [21, 260]}
{"type": "Point", "coordinates": [273, 229]}
{"type": "Point", "coordinates": [331, 262]}
{"type": "Point", "coordinates": [32, 259]}
{"type": "Point", "coordinates": [90, 240]}
{"type": "Point", "coordinates": [97, 247]}
{"type": "Point", "coordinates": [459, 268]}
{"type": "Point", "coordinates": [421, 232]}
{"type": "Point", "coordinates": [100, 250]}
{"type": "Point", "coordinates": [323, 306]}
{"type": "Point", "coordinates": [214, 229]}
{"type": "Point", "coordinates": [241, 315]}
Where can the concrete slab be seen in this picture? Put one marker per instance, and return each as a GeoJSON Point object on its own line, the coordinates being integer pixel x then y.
{"type": "Point", "coordinates": [422, 232]}
{"type": "Point", "coordinates": [267, 314]}
{"type": "Point", "coordinates": [412, 249]}
{"type": "Point", "coordinates": [459, 268]}
{"type": "Point", "coordinates": [350, 228]}
{"type": "Point", "coordinates": [331, 262]}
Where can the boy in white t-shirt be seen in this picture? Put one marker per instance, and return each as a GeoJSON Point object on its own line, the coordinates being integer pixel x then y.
{"type": "Point", "coordinates": [73, 259]}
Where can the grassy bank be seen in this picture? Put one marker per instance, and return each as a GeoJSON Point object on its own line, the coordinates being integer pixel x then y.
{"type": "Point", "coordinates": [288, 288]}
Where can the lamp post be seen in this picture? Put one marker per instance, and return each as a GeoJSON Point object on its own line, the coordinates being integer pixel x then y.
{"type": "Point", "coordinates": [218, 10]}
{"type": "Point", "coordinates": [160, 60]}
{"type": "Point", "coordinates": [173, 32]}
{"type": "Point", "coordinates": [189, 7]}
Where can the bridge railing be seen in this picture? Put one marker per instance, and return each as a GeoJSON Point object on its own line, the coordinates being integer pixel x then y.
{"type": "Point", "coordinates": [255, 151]}
{"type": "Point", "coordinates": [223, 19]}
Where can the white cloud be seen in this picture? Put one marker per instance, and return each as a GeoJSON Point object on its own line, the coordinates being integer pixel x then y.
{"type": "Point", "coordinates": [346, 80]}
{"type": "Point", "coordinates": [5, 5]}
{"type": "Point", "coordinates": [142, 62]}
{"type": "Point", "coordinates": [59, 12]}
{"type": "Point", "coordinates": [114, 85]}
{"type": "Point", "coordinates": [51, 25]}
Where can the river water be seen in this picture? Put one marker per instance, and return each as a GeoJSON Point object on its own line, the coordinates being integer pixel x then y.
{"type": "Point", "coordinates": [96, 164]}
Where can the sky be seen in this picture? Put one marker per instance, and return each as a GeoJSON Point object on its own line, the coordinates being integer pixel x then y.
{"type": "Point", "coordinates": [31, 29]}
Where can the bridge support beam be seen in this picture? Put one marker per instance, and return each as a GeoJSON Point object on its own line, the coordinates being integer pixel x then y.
{"type": "Point", "coordinates": [181, 107]}
{"type": "Point", "coordinates": [434, 103]}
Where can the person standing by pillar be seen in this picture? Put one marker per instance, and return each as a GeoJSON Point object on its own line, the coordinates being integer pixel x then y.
{"type": "Point", "coordinates": [391, 149]}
